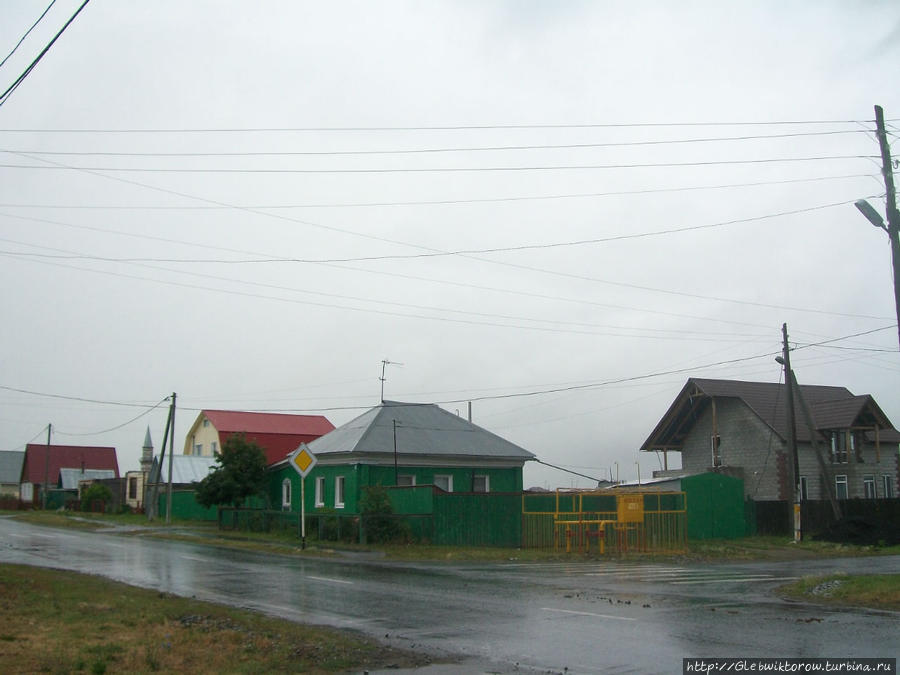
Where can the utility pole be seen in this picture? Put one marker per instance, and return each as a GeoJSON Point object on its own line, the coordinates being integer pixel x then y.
{"type": "Point", "coordinates": [152, 507]}
{"type": "Point", "coordinates": [792, 433]}
{"type": "Point", "coordinates": [171, 453]}
{"type": "Point", "coordinates": [893, 216]}
{"type": "Point", "coordinates": [46, 470]}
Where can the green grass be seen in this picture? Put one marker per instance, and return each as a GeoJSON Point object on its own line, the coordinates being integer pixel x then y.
{"type": "Point", "coordinates": [876, 591]}
{"type": "Point", "coordinates": [61, 622]}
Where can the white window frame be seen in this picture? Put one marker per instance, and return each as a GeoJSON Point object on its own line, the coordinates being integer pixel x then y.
{"type": "Point", "coordinates": [286, 494]}
{"type": "Point", "coordinates": [840, 452]}
{"type": "Point", "coordinates": [339, 485]}
{"type": "Point", "coordinates": [449, 481]}
{"type": "Point", "coordinates": [320, 491]}
{"type": "Point", "coordinates": [887, 484]}
{"type": "Point", "coordinates": [804, 489]}
{"type": "Point", "coordinates": [406, 476]}
{"type": "Point", "coordinates": [215, 447]}
{"type": "Point", "coordinates": [840, 480]}
{"type": "Point", "coordinates": [715, 442]}
{"type": "Point", "coordinates": [487, 483]}
{"type": "Point", "coordinates": [869, 486]}
{"type": "Point", "coordinates": [198, 448]}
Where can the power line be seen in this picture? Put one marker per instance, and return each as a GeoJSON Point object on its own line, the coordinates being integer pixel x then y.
{"type": "Point", "coordinates": [439, 254]}
{"type": "Point", "coordinates": [4, 97]}
{"type": "Point", "coordinates": [115, 428]}
{"type": "Point", "coordinates": [74, 398]}
{"type": "Point", "coordinates": [412, 151]}
{"type": "Point", "coordinates": [27, 33]}
{"type": "Point", "coordinates": [449, 169]}
{"type": "Point", "coordinates": [457, 127]}
{"type": "Point", "coordinates": [382, 312]}
{"type": "Point", "coordinates": [434, 202]}
{"type": "Point", "coordinates": [384, 239]}
{"type": "Point", "coordinates": [467, 253]}
{"type": "Point", "coordinates": [458, 284]}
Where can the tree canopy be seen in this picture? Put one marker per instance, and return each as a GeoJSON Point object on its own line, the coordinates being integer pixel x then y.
{"type": "Point", "coordinates": [240, 472]}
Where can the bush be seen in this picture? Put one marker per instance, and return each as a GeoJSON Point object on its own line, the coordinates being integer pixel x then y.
{"type": "Point", "coordinates": [96, 492]}
{"type": "Point", "coordinates": [378, 519]}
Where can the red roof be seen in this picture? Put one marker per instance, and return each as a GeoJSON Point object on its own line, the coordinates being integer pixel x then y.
{"type": "Point", "coordinates": [268, 423]}
{"type": "Point", "coordinates": [278, 434]}
{"type": "Point", "coordinates": [38, 464]}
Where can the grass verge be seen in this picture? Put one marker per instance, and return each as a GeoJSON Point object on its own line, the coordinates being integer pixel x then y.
{"type": "Point", "coordinates": [62, 622]}
{"type": "Point", "coordinates": [875, 591]}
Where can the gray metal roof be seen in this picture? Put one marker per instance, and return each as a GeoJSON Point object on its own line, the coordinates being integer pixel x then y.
{"type": "Point", "coordinates": [422, 429]}
{"type": "Point", "coordinates": [69, 477]}
{"type": "Point", "coordinates": [11, 466]}
{"type": "Point", "coordinates": [185, 468]}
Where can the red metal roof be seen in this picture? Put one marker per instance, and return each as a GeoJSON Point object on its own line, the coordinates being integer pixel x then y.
{"type": "Point", "coordinates": [278, 434]}
{"type": "Point", "coordinates": [268, 423]}
{"type": "Point", "coordinates": [38, 463]}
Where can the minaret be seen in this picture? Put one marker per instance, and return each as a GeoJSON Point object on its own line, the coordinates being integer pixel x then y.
{"type": "Point", "coordinates": [147, 453]}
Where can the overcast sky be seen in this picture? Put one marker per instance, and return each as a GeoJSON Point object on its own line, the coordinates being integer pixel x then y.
{"type": "Point", "coordinates": [560, 211]}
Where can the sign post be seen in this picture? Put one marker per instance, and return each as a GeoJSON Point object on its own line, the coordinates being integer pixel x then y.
{"type": "Point", "coordinates": [303, 460]}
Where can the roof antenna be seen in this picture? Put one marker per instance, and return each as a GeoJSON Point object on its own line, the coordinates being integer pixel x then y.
{"type": "Point", "coordinates": [384, 364]}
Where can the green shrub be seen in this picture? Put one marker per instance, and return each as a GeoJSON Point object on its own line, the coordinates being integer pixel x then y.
{"type": "Point", "coordinates": [95, 492]}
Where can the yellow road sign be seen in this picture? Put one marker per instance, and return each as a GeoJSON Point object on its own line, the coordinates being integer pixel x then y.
{"type": "Point", "coordinates": [302, 459]}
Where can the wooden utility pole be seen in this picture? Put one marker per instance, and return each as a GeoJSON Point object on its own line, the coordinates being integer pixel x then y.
{"type": "Point", "coordinates": [46, 470]}
{"type": "Point", "coordinates": [792, 434]}
{"type": "Point", "coordinates": [153, 507]}
{"type": "Point", "coordinates": [171, 452]}
{"type": "Point", "coordinates": [893, 216]}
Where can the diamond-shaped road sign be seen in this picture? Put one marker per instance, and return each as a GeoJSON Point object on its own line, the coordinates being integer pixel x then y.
{"type": "Point", "coordinates": [302, 459]}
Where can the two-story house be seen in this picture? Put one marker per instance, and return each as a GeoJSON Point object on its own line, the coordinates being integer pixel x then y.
{"type": "Point", "coordinates": [742, 428]}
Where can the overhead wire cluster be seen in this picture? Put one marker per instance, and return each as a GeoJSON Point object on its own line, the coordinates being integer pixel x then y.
{"type": "Point", "coordinates": [171, 270]}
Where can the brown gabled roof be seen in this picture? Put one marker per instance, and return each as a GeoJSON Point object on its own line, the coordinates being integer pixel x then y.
{"type": "Point", "coordinates": [831, 408]}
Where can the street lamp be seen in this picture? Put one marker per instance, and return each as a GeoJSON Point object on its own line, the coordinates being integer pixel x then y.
{"type": "Point", "coordinates": [870, 213]}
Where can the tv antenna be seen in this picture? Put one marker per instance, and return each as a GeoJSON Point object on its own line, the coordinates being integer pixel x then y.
{"type": "Point", "coordinates": [384, 364]}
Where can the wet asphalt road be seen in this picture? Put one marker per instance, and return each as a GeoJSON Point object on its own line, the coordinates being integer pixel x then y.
{"type": "Point", "coordinates": [582, 617]}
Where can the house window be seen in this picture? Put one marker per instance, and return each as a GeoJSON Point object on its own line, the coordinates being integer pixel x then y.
{"type": "Point", "coordinates": [840, 486]}
{"type": "Point", "coordinates": [804, 489]}
{"type": "Point", "coordinates": [339, 492]}
{"type": "Point", "coordinates": [286, 494]}
{"type": "Point", "coordinates": [320, 491]}
{"type": "Point", "coordinates": [214, 446]}
{"type": "Point", "coordinates": [406, 479]}
{"type": "Point", "coordinates": [481, 484]}
{"type": "Point", "coordinates": [839, 441]}
{"type": "Point", "coordinates": [205, 422]}
{"type": "Point", "coordinates": [444, 481]}
{"type": "Point", "coordinates": [714, 442]}
{"type": "Point", "coordinates": [198, 449]}
{"type": "Point", "coordinates": [887, 481]}
{"type": "Point", "coordinates": [869, 487]}
{"type": "Point", "coordinates": [132, 487]}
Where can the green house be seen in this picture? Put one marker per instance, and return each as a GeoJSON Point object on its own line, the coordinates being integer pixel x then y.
{"type": "Point", "coordinates": [408, 445]}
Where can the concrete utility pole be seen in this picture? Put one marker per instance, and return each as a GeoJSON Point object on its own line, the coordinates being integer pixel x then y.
{"type": "Point", "coordinates": [893, 216]}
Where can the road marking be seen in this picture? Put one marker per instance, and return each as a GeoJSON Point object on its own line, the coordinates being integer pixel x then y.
{"type": "Point", "coordinates": [736, 580]}
{"type": "Point", "coordinates": [599, 616]}
{"type": "Point", "coordinates": [195, 559]}
{"type": "Point", "coordinates": [332, 581]}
